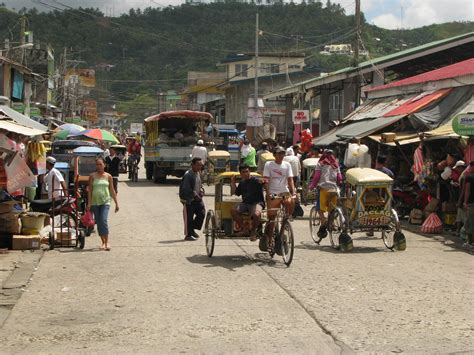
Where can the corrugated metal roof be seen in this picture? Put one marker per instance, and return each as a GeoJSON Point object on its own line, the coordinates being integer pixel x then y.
{"type": "Point", "coordinates": [16, 128]}
{"type": "Point", "coordinates": [359, 129]}
{"type": "Point", "coordinates": [377, 108]}
{"type": "Point", "coordinates": [418, 102]}
{"type": "Point", "coordinates": [451, 71]}
{"type": "Point", "coordinates": [377, 62]}
{"type": "Point", "coordinates": [21, 119]}
{"type": "Point", "coordinates": [417, 49]}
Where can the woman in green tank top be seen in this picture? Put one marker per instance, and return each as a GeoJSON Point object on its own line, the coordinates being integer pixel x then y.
{"type": "Point", "coordinates": [101, 192]}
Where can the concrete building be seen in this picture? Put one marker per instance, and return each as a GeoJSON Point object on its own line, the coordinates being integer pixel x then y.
{"type": "Point", "coordinates": [335, 95]}
{"type": "Point", "coordinates": [201, 89]}
{"type": "Point", "coordinates": [274, 72]}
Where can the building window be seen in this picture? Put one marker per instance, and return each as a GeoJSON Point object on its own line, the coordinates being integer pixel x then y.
{"type": "Point", "coordinates": [269, 68]}
{"type": "Point", "coordinates": [335, 102]}
{"type": "Point", "coordinates": [241, 70]}
{"type": "Point", "coordinates": [294, 67]}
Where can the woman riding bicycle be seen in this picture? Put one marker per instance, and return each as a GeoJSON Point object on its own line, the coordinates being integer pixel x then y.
{"type": "Point", "coordinates": [327, 177]}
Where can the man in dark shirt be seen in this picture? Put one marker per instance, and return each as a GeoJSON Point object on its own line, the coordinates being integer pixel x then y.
{"type": "Point", "coordinates": [251, 190]}
{"type": "Point", "coordinates": [112, 167]}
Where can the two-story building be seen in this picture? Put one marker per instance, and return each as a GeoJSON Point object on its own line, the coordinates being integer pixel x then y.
{"type": "Point", "coordinates": [201, 89]}
{"type": "Point", "coordinates": [274, 71]}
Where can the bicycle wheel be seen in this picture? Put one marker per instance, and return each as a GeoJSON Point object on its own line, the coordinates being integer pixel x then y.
{"type": "Point", "coordinates": [210, 232]}
{"type": "Point", "coordinates": [335, 227]}
{"type": "Point", "coordinates": [314, 224]}
{"type": "Point", "coordinates": [388, 235]}
{"type": "Point", "coordinates": [135, 174]}
{"type": "Point", "coordinates": [287, 242]}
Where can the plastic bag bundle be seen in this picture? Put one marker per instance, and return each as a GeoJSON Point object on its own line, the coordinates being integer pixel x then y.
{"type": "Point", "coordinates": [432, 224]}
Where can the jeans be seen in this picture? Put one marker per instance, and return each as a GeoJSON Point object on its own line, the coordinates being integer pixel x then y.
{"type": "Point", "coordinates": [101, 213]}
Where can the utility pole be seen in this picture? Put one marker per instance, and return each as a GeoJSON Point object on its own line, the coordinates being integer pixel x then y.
{"type": "Point", "coordinates": [253, 130]}
{"type": "Point", "coordinates": [22, 29]}
{"type": "Point", "coordinates": [357, 18]}
{"type": "Point", "coordinates": [356, 54]}
{"type": "Point", "coordinates": [256, 63]}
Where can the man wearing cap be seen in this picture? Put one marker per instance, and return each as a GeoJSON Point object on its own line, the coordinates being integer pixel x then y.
{"type": "Point", "coordinates": [199, 151]}
{"type": "Point", "coordinates": [54, 181]}
{"type": "Point", "coordinates": [279, 188]}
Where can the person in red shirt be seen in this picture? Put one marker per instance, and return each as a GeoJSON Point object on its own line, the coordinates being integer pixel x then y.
{"type": "Point", "coordinates": [134, 153]}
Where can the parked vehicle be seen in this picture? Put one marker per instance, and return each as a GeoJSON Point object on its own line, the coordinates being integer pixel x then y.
{"type": "Point", "coordinates": [218, 161]}
{"type": "Point", "coordinates": [170, 137]}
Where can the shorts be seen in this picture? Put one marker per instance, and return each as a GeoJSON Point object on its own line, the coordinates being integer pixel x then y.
{"type": "Point", "coordinates": [326, 199]}
{"type": "Point", "coordinates": [249, 208]}
{"type": "Point", "coordinates": [460, 215]}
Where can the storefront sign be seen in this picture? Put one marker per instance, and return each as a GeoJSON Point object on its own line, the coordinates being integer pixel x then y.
{"type": "Point", "coordinates": [300, 116]}
{"type": "Point", "coordinates": [463, 124]}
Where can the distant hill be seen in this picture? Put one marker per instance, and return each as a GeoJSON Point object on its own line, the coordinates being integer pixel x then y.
{"type": "Point", "coordinates": [157, 47]}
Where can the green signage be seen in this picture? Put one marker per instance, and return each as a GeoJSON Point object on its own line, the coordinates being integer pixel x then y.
{"type": "Point", "coordinates": [463, 124]}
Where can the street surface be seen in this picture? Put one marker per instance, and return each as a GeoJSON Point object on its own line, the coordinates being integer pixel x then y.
{"type": "Point", "coordinates": [155, 293]}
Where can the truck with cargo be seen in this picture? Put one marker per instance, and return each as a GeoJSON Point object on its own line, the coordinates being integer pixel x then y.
{"type": "Point", "coordinates": [170, 138]}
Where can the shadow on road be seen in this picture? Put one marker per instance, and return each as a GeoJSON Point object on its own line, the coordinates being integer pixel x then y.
{"type": "Point", "coordinates": [173, 241]}
{"type": "Point", "coordinates": [228, 262]}
{"type": "Point", "coordinates": [330, 249]}
{"type": "Point", "coordinates": [76, 250]}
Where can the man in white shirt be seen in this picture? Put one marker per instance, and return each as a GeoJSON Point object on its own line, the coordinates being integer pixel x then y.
{"type": "Point", "coordinates": [54, 181]}
{"type": "Point", "coordinates": [295, 163]}
{"type": "Point", "coordinates": [200, 151]}
{"type": "Point", "coordinates": [279, 188]}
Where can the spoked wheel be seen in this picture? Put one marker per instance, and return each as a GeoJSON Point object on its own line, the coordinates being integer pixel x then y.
{"type": "Point", "coordinates": [210, 232]}
{"type": "Point", "coordinates": [314, 224]}
{"type": "Point", "coordinates": [335, 227]}
{"type": "Point", "coordinates": [51, 240]}
{"type": "Point", "coordinates": [81, 240]}
{"type": "Point", "coordinates": [135, 174]}
{"type": "Point", "coordinates": [393, 238]}
{"type": "Point", "coordinates": [287, 242]}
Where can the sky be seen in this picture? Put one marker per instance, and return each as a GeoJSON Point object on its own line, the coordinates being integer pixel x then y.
{"type": "Point", "coordinates": [390, 14]}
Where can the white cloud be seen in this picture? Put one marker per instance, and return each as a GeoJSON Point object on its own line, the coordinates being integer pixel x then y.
{"type": "Point", "coordinates": [389, 21]}
{"type": "Point", "coordinates": [417, 13]}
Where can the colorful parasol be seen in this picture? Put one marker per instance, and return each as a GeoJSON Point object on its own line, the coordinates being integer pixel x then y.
{"type": "Point", "coordinates": [99, 134]}
{"type": "Point", "coordinates": [68, 129]}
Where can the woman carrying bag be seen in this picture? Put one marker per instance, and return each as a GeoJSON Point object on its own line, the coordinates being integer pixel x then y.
{"type": "Point", "coordinates": [101, 191]}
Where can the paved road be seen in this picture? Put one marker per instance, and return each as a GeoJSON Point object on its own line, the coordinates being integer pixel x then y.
{"type": "Point", "coordinates": [156, 293]}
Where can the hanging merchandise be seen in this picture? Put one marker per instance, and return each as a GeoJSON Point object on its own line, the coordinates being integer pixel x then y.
{"type": "Point", "coordinates": [306, 140]}
{"type": "Point", "coordinates": [432, 224]}
{"type": "Point", "coordinates": [357, 155]}
{"type": "Point", "coordinates": [418, 164]}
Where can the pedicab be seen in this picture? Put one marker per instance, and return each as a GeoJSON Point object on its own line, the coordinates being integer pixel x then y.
{"type": "Point", "coordinates": [220, 225]}
{"type": "Point", "coordinates": [366, 206]}
{"type": "Point", "coordinates": [307, 196]}
{"type": "Point", "coordinates": [218, 161]}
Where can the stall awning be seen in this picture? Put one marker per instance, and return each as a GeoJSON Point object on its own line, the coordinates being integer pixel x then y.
{"type": "Point", "coordinates": [418, 102]}
{"type": "Point", "coordinates": [377, 108]}
{"type": "Point", "coordinates": [21, 119]}
{"type": "Point", "coordinates": [442, 132]}
{"type": "Point", "coordinates": [19, 129]}
{"type": "Point", "coordinates": [358, 129]}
